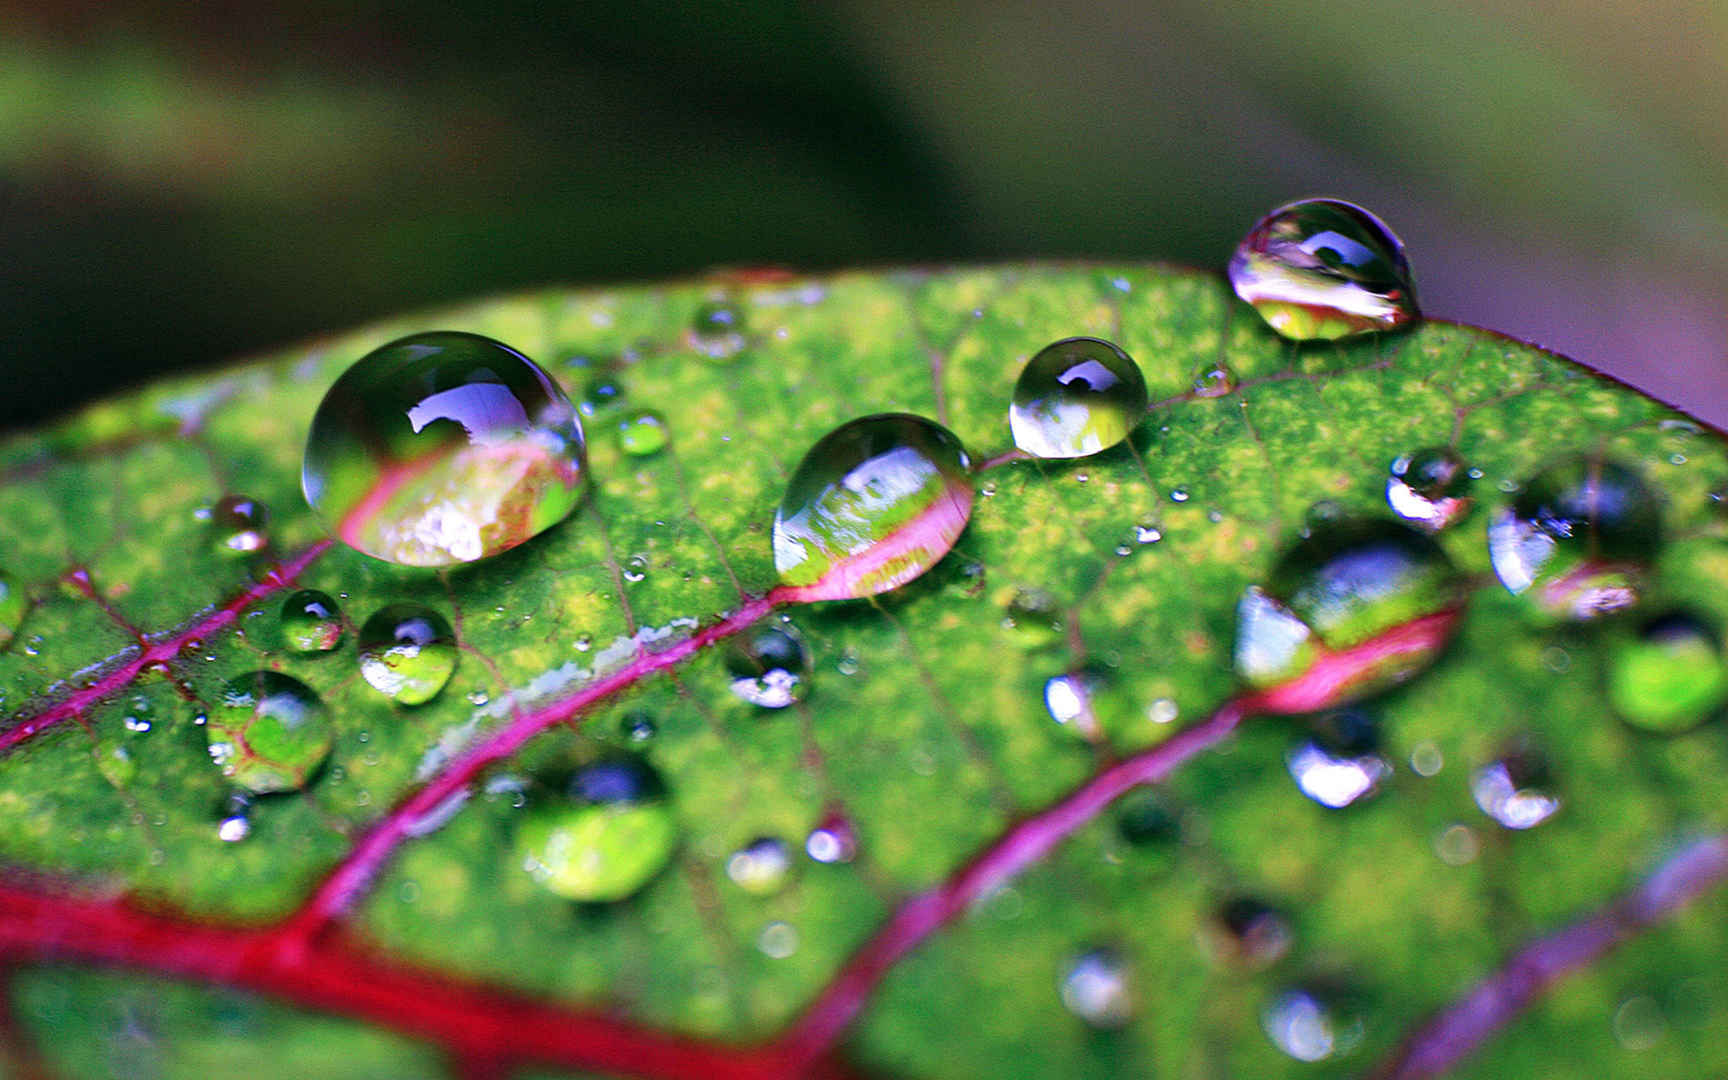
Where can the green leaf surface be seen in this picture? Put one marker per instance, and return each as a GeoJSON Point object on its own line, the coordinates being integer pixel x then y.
{"type": "Point", "coordinates": [926, 719]}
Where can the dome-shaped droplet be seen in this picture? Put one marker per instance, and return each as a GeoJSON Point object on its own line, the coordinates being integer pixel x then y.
{"type": "Point", "coordinates": [1324, 268]}
{"type": "Point", "coordinates": [601, 394]}
{"type": "Point", "coordinates": [407, 653]}
{"type": "Point", "coordinates": [1314, 1022]}
{"type": "Point", "coordinates": [1077, 397]}
{"type": "Point", "coordinates": [717, 331]}
{"type": "Point", "coordinates": [604, 838]}
{"type": "Point", "coordinates": [1429, 488]}
{"type": "Point", "coordinates": [239, 525]}
{"type": "Point", "coordinates": [637, 727]}
{"type": "Point", "coordinates": [641, 432]}
{"type": "Point", "coordinates": [269, 732]}
{"type": "Point", "coordinates": [875, 503]}
{"type": "Point", "coordinates": [311, 622]}
{"type": "Point", "coordinates": [1578, 540]}
{"type": "Point", "coordinates": [443, 448]}
{"type": "Point", "coordinates": [1095, 988]}
{"type": "Point", "coordinates": [1339, 762]}
{"type": "Point", "coordinates": [1517, 789]}
{"type": "Point", "coordinates": [1035, 617]}
{"type": "Point", "coordinates": [14, 605]}
{"type": "Point", "coordinates": [1249, 931]}
{"type": "Point", "coordinates": [1087, 702]}
{"type": "Point", "coordinates": [833, 840]}
{"type": "Point", "coordinates": [760, 867]}
{"type": "Point", "coordinates": [1348, 582]}
{"type": "Point", "coordinates": [1671, 677]}
{"type": "Point", "coordinates": [769, 666]}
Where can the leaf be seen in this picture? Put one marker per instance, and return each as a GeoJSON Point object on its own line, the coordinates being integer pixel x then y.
{"type": "Point", "coordinates": [925, 723]}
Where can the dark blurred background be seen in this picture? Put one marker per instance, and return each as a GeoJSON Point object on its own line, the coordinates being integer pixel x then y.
{"type": "Point", "coordinates": [184, 183]}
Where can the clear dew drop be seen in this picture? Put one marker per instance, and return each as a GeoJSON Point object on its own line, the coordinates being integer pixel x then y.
{"type": "Point", "coordinates": [601, 394]}
{"type": "Point", "coordinates": [1076, 397]}
{"type": "Point", "coordinates": [1670, 676]}
{"type": "Point", "coordinates": [14, 605]}
{"type": "Point", "coordinates": [762, 867]}
{"type": "Point", "coordinates": [269, 732]}
{"type": "Point", "coordinates": [311, 622]}
{"type": "Point", "coordinates": [1314, 1022]}
{"type": "Point", "coordinates": [407, 653]}
{"type": "Point", "coordinates": [1517, 789]}
{"type": "Point", "coordinates": [1578, 540]}
{"type": "Point", "coordinates": [1216, 380]}
{"type": "Point", "coordinates": [239, 525]}
{"type": "Point", "coordinates": [874, 504]}
{"type": "Point", "coordinates": [641, 433]}
{"type": "Point", "coordinates": [443, 448]}
{"type": "Point", "coordinates": [1035, 617]}
{"type": "Point", "coordinates": [602, 838]}
{"type": "Point", "coordinates": [635, 568]}
{"type": "Point", "coordinates": [234, 828]}
{"type": "Point", "coordinates": [1429, 488]}
{"type": "Point", "coordinates": [1095, 987]}
{"type": "Point", "coordinates": [717, 330]}
{"type": "Point", "coordinates": [833, 840]}
{"type": "Point", "coordinates": [1086, 702]}
{"type": "Point", "coordinates": [1324, 269]}
{"type": "Point", "coordinates": [769, 666]}
{"type": "Point", "coordinates": [1179, 494]}
{"type": "Point", "coordinates": [1339, 763]}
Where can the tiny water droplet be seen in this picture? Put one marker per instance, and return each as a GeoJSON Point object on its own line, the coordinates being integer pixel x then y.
{"type": "Point", "coordinates": [1084, 702]}
{"type": "Point", "coordinates": [717, 331]}
{"type": "Point", "coordinates": [1179, 494]}
{"type": "Point", "coordinates": [761, 867]}
{"type": "Point", "coordinates": [635, 568]}
{"type": "Point", "coordinates": [605, 838]}
{"type": "Point", "coordinates": [1639, 1023]}
{"type": "Point", "coordinates": [1095, 988]}
{"type": "Point", "coordinates": [234, 828]}
{"type": "Point", "coordinates": [1035, 617]}
{"type": "Point", "coordinates": [138, 725]}
{"type": "Point", "coordinates": [478, 697]}
{"type": "Point", "coordinates": [1075, 398]}
{"type": "Point", "coordinates": [1082, 477]}
{"type": "Point", "coordinates": [443, 448]}
{"type": "Point", "coordinates": [778, 940]}
{"type": "Point", "coordinates": [1314, 1022]}
{"type": "Point", "coordinates": [269, 732]}
{"type": "Point", "coordinates": [832, 841]}
{"type": "Point", "coordinates": [14, 604]}
{"type": "Point", "coordinates": [1339, 764]}
{"type": "Point", "coordinates": [1429, 488]}
{"type": "Point", "coordinates": [642, 433]}
{"type": "Point", "coordinates": [847, 664]}
{"type": "Point", "coordinates": [769, 666]}
{"type": "Point", "coordinates": [987, 489]}
{"type": "Point", "coordinates": [1162, 711]}
{"type": "Point", "coordinates": [1426, 759]}
{"type": "Point", "coordinates": [1517, 789]}
{"type": "Point", "coordinates": [407, 653]}
{"type": "Point", "coordinates": [1147, 818]}
{"type": "Point", "coordinates": [584, 641]}
{"type": "Point", "coordinates": [1324, 269]}
{"type": "Point", "coordinates": [601, 394]}
{"type": "Point", "coordinates": [637, 727]}
{"type": "Point", "coordinates": [1214, 382]}
{"type": "Point", "coordinates": [311, 622]}
{"type": "Point", "coordinates": [1252, 932]}
{"type": "Point", "coordinates": [1457, 845]}
{"type": "Point", "coordinates": [1578, 540]}
{"type": "Point", "coordinates": [1147, 531]}
{"type": "Point", "coordinates": [875, 503]}
{"type": "Point", "coordinates": [1671, 676]}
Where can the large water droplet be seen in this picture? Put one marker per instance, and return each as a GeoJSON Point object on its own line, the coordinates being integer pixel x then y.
{"type": "Point", "coordinates": [14, 605]}
{"type": "Point", "coordinates": [761, 867]}
{"type": "Point", "coordinates": [269, 732]}
{"type": "Point", "coordinates": [239, 525]}
{"type": "Point", "coordinates": [311, 622]}
{"type": "Point", "coordinates": [407, 653]}
{"type": "Point", "coordinates": [1096, 989]}
{"type": "Point", "coordinates": [1671, 677]}
{"type": "Point", "coordinates": [1076, 397]}
{"type": "Point", "coordinates": [1347, 582]}
{"type": "Point", "coordinates": [769, 666]}
{"type": "Point", "coordinates": [1429, 488]}
{"type": "Point", "coordinates": [1517, 789]}
{"type": "Point", "coordinates": [1324, 268]}
{"type": "Point", "coordinates": [875, 503]}
{"type": "Point", "coordinates": [443, 448]}
{"type": "Point", "coordinates": [1314, 1022]}
{"type": "Point", "coordinates": [612, 833]}
{"type": "Point", "coordinates": [642, 433]}
{"type": "Point", "coordinates": [1578, 541]}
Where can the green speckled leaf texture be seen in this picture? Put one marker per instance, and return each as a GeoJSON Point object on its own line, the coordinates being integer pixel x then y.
{"type": "Point", "coordinates": [925, 721]}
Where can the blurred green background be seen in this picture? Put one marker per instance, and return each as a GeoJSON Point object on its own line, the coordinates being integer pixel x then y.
{"type": "Point", "coordinates": [180, 184]}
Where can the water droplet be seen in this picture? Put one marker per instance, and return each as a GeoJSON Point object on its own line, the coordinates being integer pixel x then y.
{"type": "Point", "coordinates": [239, 525]}
{"type": "Point", "coordinates": [1578, 541]}
{"type": "Point", "coordinates": [987, 489]}
{"type": "Point", "coordinates": [1671, 676]}
{"type": "Point", "coordinates": [1162, 711]}
{"type": "Point", "coordinates": [1253, 932]}
{"type": "Point", "coordinates": [407, 653]}
{"type": "Point", "coordinates": [1314, 1022]}
{"type": "Point", "coordinates": [1215, 381]}
{"type": "Point", "coordinates": [1457, 845]}
{"type": "Point", "coordinates": [14, 604]}
{"type": "Point", "coordinates": [1426, 759]}
{"type": "Point", "coordinates": [1095, 989]}
{"type": "Point", "coordinates": [1429, 488]}
{"type": "Point", "coordinates": [1179, 494]}
{"type": "Point", "coordinates": [1035, 617]}
{"type": "Point", "coordinates": [1146, 531]}
{"type": "Point", "coordinates": [637, 727]}
{"type": "Point", "coordinates": [832, 841]}
{"type": "Point", "coordinates": [635, 568]}
{"type": "Point", "coordinates": [584, 641]}
{"type": "Point", "coordinates": [138, 725]}
{"type": "Point", "coordinates": [1517, 789]}
{"type": "Point", "coordinates": [778, 940]}
{"type": "Point", "coordinates": [443, 448]}
{"type": "Point", "coordinates": [269, 732]}
{"type": "Point", "coordinates": [1075, 398]}
{"type": "Point", "coordinates": [234, 828]}
{"type": "Point", "coordinates": [875, 503]}
{"type": "Point", "coordinates": [761, 867]}
{"type": "Point", "coordinates": [1085, 702]}
{"type": "Point", "coordinates": [769, 666]}
{"type": "Point", "coordinates": [642, 433]}
{"type": "Point", "coordinates": [601, 394]}
{"type": "Point", "coordinates": [1347, 582]}
{"type": "Point", "coordinates": [605, 839]}
{"type": "Point", "coordinates": [1639, 1023]}
{"type": "Point", "coordinates": [1339, 764]}
{"type": "Point", "coordinates": [1324, 268]}
{"type": "Point", "coordinates": [717, 331]}
{"type": "Point", "coordinates": [311, 622]}
{"type": "Point", "coordinates": [1147, 818]}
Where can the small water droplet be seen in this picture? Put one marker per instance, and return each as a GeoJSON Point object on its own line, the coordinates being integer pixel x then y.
{"type": "Point", "coordinates": [239, 524]}
{"type": "Point", "coordinates": [1457, 845]}
{"type": "Point", "coordinates": [987, 489]}
{"type": "Point", "coordinates": [1314, 1022]}
{"type": "Point", "coordinates": [635, 568]}
{"type": "Point", "coordinates": [1429, 488]}
{"type": "Point", "coordinates": [1324, 269]}
{"type": "Point", "coordinates": [584, 641]}
{"type": "Point", "coordinates": [1035, 617]}
{"type": "Point", "coordinates": [717, 331]}
{"type": "Point", "coordinates": [778, 940]}
{"type": "Point", "coordinates": [311, 622]}
{"type": "Point", "coordinates": [875, 503]}
{"type": "Point", "coordinates": [769, 666]}
{"type": "Point", "coordinates": [1095, 988]}
{"type": "Point", "coordinates": [761, 867]}
{"type": "Point", "coordinates": [1671, 676]}
{"type": "Point", "coordinates": [1252, 932]}
{"type": "Point", "coordinates": [1147, 818]}
{"type": "Point", "coordinates": [642, 433]}
{"type": "Point", "coordinates": [1179, 494]}
{"type": "Point", "coordinates": [832, 841]}
{"type": "Point", "coordinates": [138, 725]}
{"type": "Point", "coordinates": [847, 664]}
{"type": "Point", "coordinates": [1639, 1023]}
{"type": "Point", "coordinates": [269, 732]}
{"type": "Point", "coordinates": [1517, 789]}
{"type": "Point", "coordinates": [601, 394]}
{"type": "Point", "coordinates": [1334, 781]}
{"type": "Point", "coordinates": [1426, 759]}
{"type": "Point", "coordinates": [478, 697]}
{"type": "Point", "coordinates": [606, 838]}
{"type": "Point", "coordinates": [443, 448]}
{"type": "Point", "coordinates": [234, 828]}
{"type": "Point", "coordinates": [1215, 381]}
{"type": "Point", "coordinates": [407, 653]}
{"type": "Point", "coordinates": [637, 727]}
{"type": "Point", "coordinates": [1084, 702]}
{"type": "Point", "coordinates": [1147, 532]}
{"type": "Point", "coordinates": [1075, 398]}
